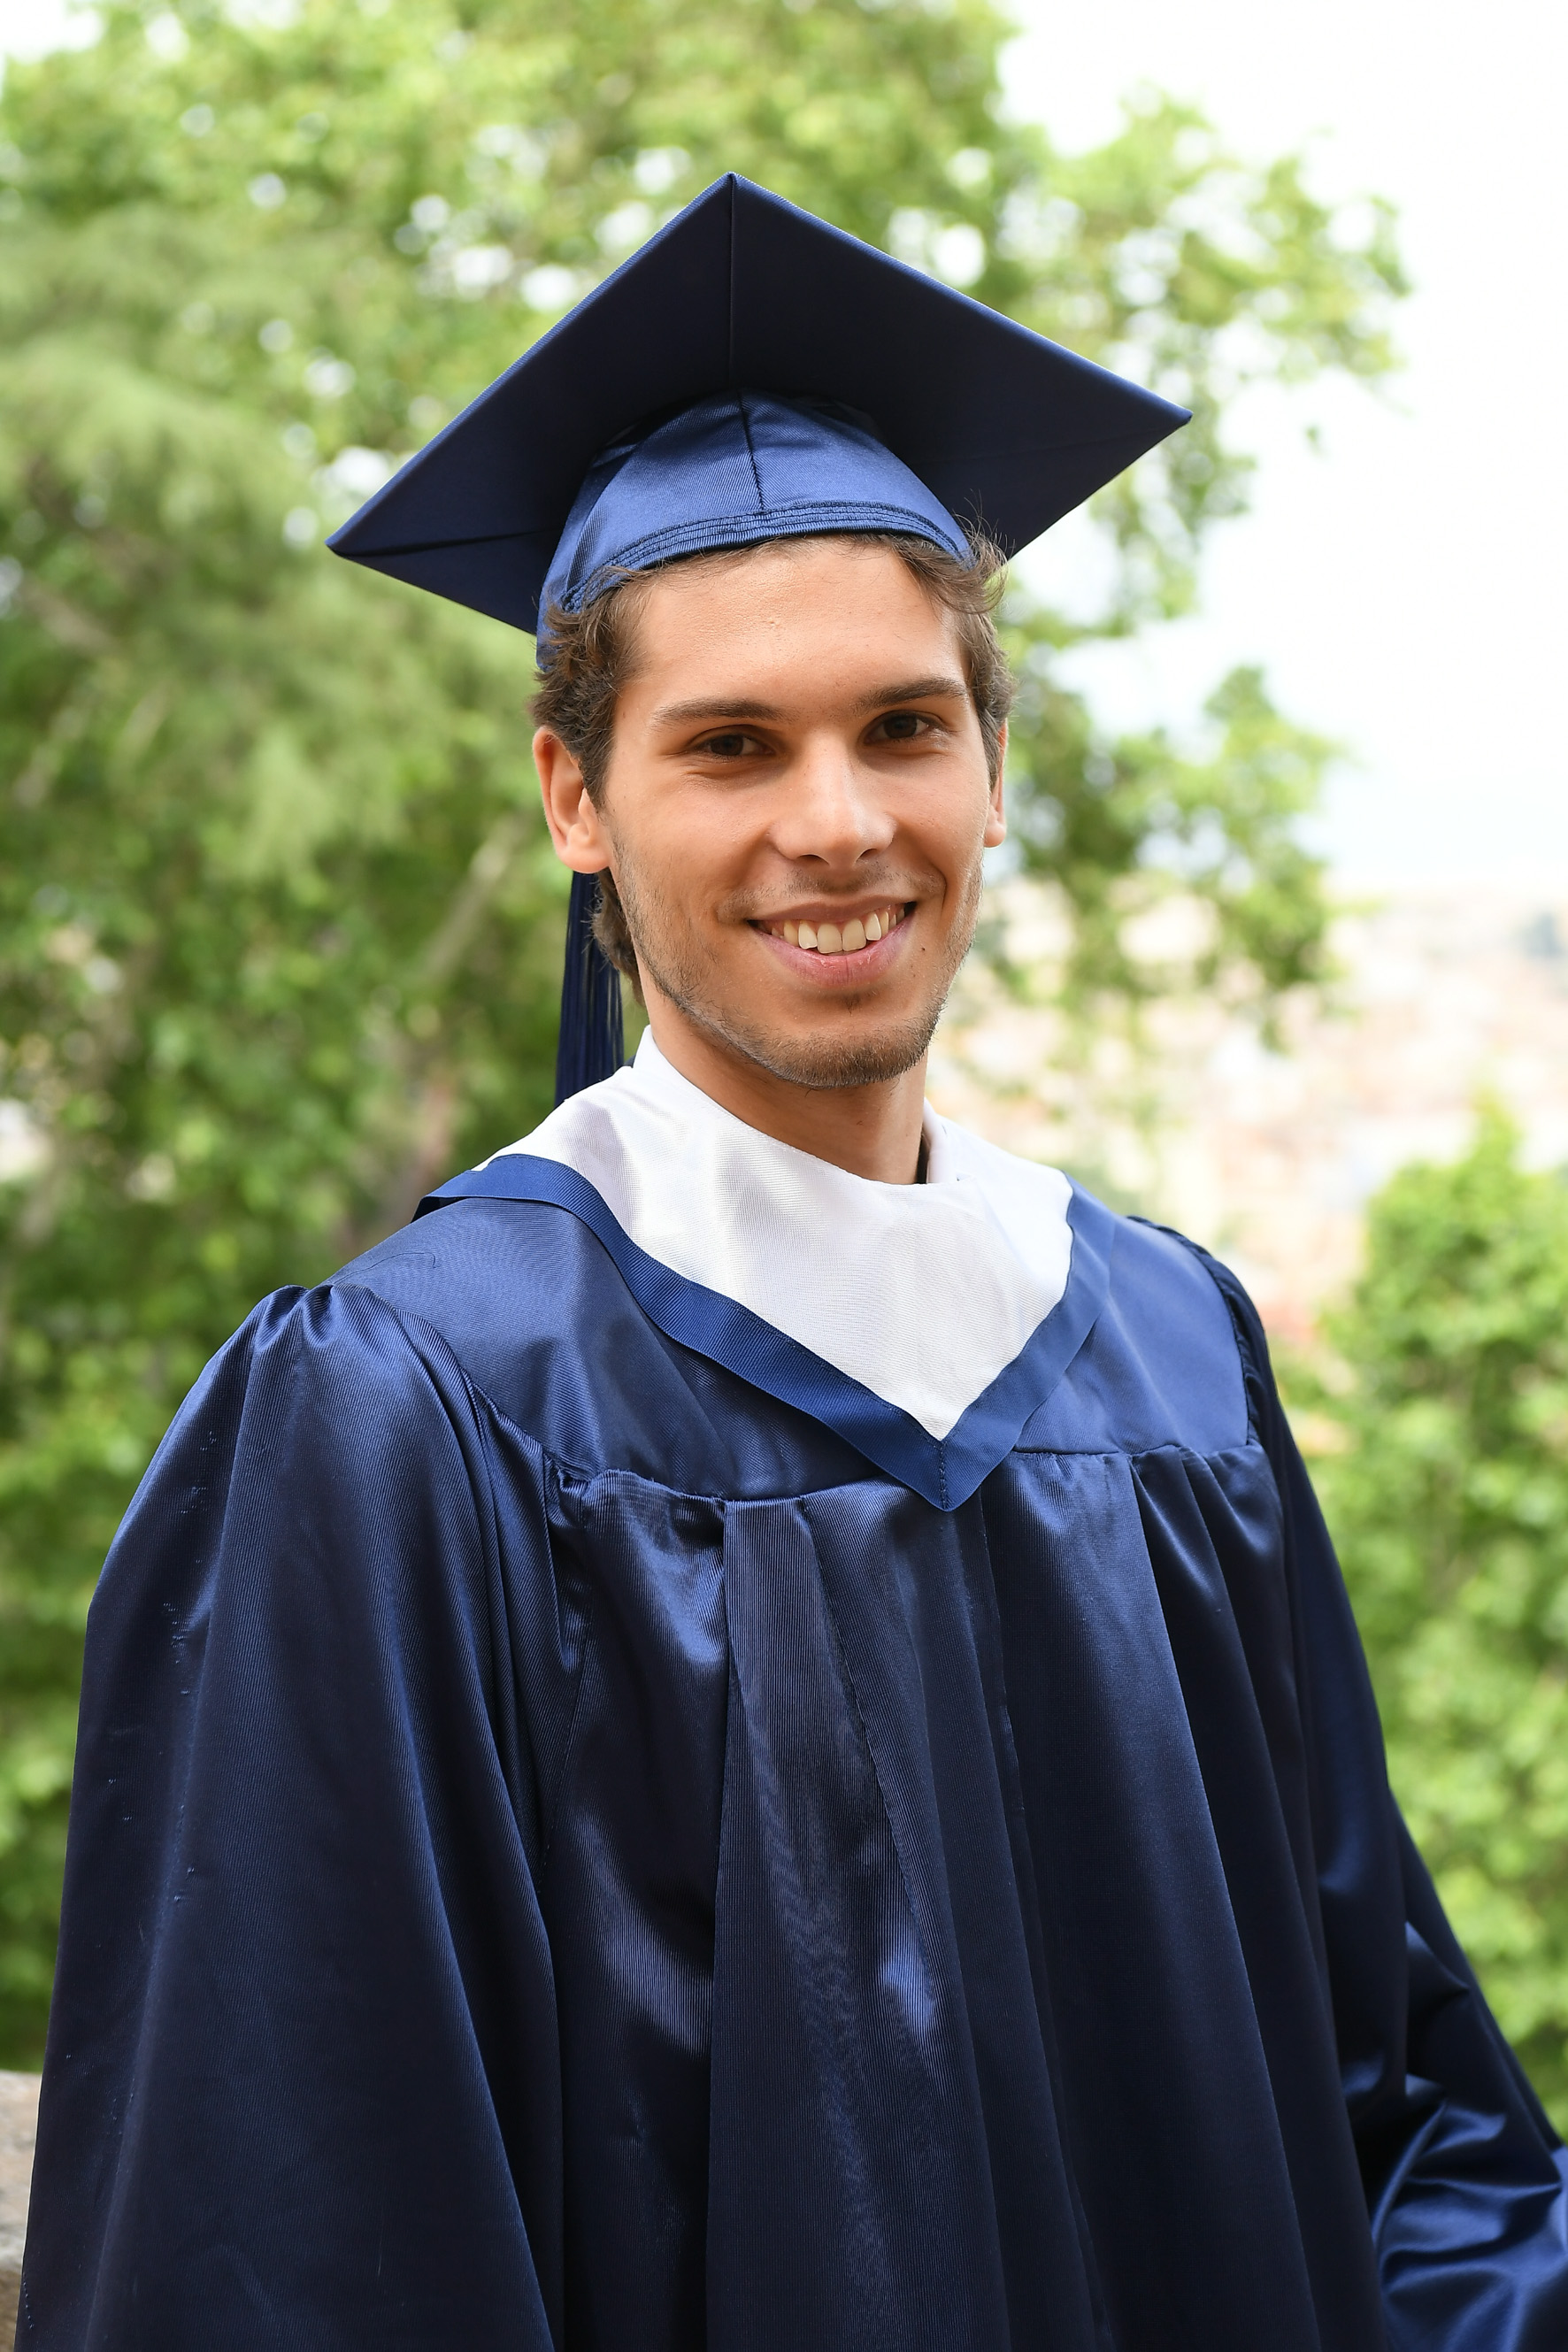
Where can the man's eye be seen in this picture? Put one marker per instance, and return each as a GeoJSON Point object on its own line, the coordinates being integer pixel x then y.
{"type": "Point", "coordinates": [730, 747]}
{"type": "Point", "coordinates": [900, 726]}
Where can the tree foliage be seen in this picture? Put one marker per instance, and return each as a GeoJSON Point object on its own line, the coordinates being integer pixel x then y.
{"type": "Point", "coordinates": [1442, 1461]}
{"type": "Point", "coordinates": [1117, 827]}
{"type": "Point", "coordinates": [279, 927]}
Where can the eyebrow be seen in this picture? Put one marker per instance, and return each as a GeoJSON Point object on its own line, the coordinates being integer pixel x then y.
{"type": "Point", "coordinates": [881, 698]}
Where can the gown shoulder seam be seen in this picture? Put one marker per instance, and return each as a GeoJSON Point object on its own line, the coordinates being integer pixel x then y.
{"type": "Point", "coordinates": [413, 1324]}
{"type": "Point", "coordinates": [1246, 1328]}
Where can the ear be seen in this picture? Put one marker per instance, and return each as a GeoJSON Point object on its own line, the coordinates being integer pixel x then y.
{"type": "Point", "coordinates": [580, 839]}
{"type": "Point", "coordinates": [996, 816]}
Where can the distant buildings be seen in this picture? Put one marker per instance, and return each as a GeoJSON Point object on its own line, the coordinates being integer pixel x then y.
{"type": "Point", "coordinates": [1445, 996]}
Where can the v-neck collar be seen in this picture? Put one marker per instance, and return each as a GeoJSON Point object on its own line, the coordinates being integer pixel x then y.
{"type": "Point", "coordinates": [924, 1324]}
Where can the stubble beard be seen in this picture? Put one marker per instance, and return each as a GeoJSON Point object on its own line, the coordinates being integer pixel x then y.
{"type": "Point", "coordinates": [867, 1059]}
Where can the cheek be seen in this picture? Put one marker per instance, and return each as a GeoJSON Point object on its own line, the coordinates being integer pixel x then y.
{"type": "Point", "coordinates": [950, 824]}
{"type": "Point", "coordinates": [672, 865]}
{"type": "Point", "coordinates": [704, 840]}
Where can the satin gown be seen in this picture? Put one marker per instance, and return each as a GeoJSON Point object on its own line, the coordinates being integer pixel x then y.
{"type": "Point", "coordinates": [569, 1850]}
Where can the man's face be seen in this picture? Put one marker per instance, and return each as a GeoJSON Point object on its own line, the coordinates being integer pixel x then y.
{"type": "Point", "coordinates": [796, 757]}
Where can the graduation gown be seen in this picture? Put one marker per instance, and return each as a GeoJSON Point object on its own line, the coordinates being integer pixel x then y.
{"type": "Point", "coordinates": [598, 1826]}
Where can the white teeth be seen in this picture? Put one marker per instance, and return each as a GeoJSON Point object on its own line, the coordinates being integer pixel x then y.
{"type": "Point", "coordinates": [828, 938]}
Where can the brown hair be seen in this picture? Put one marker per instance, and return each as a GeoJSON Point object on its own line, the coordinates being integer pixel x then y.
{"type": "Point", "coordinates": [591, 655]}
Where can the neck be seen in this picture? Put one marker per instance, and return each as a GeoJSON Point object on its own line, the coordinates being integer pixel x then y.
{"type": "Point", "coordinates": [871, 1130]}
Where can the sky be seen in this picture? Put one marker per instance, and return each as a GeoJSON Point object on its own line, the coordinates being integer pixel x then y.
{"type": "Point", "coordinates": [1405, 589]}
{"type": "Point", "coordinates": [1403, 586]}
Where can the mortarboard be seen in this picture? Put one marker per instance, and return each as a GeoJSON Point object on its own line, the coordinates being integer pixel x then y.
{"type": "Point", "coordinates": [750, 373]}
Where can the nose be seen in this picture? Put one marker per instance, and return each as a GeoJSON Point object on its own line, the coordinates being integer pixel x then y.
{"type": "Point", "coordinates": [831, 811]}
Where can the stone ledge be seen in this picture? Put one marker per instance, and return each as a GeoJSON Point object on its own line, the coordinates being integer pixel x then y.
{"type": "Point", "coordinates": [18, 2122]}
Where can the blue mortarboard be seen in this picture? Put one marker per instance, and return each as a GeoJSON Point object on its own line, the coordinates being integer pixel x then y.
{"type": "Point", "coordinates": [751, 373]}
{"type": "Point", "coordinates": [738, 467]}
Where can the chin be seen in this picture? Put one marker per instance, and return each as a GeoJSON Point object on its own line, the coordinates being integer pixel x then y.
{"type": "Point", "coordinates": [825, 1058]}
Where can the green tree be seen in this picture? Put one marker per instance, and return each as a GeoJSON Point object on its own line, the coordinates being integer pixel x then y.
{"type": "Point", "coordinates": [280, 932]}
{"type": "Point", "coordinates": [1441, 1456]}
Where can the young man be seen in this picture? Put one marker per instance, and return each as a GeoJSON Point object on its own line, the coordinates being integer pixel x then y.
{"type": "Point", "coordinates": [748, 1736]}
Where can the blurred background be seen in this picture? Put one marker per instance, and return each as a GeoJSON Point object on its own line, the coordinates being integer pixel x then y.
{"type": "Point", "coordinates": [1279, 947]}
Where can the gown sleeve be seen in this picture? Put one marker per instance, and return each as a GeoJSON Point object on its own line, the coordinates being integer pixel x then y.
{"type": "Point", "coordinates": [1467, 2181]}
{"type": "Point", "coordinates": [301, 2084]}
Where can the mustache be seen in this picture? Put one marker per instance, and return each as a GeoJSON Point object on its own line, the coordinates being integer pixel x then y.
{"type": "Point", "coordinates": [894, 884]}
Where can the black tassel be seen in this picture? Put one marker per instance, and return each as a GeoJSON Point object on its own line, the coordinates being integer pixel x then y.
{"type": "Point", "coordinates": [593, 1044]}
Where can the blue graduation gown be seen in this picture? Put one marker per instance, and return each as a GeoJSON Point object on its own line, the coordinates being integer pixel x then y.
{"type": "Point", "coordinates": [568, 1851]}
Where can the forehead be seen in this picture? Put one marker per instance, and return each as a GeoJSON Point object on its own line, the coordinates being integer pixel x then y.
{"type": "Point", "coordinates": [826, 607]}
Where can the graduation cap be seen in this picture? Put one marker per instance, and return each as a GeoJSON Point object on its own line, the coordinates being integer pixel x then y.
{"type": "Point", "coordinates": [750, 373]}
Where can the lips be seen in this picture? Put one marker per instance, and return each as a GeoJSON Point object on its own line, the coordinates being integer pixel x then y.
{"type": "Point", "coordinates": [834, 939]}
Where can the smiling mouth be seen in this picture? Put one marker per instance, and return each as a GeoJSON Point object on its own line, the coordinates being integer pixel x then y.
{"type": "Point", "coordinates": [835, 939]}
